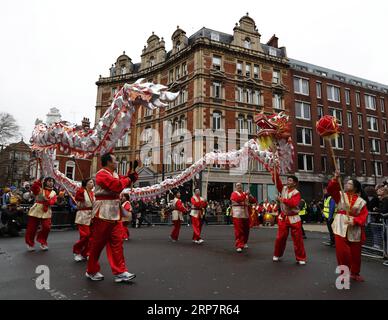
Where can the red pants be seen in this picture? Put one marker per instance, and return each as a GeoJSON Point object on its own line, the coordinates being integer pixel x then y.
{"type": "Point", "coordinates": [253, 220]}
{"type": "Point", "coordinates": [125, 230]}
{"type": "Point", "coordinates": [82, 245]}
{"type": "Point", "coordinates": [110, 234]}
{"type": "Point", "coordinates": [176, 229]}
{"type": "Point", "coordinates": [241, 231]}
{"type": "Point", "coordinates": [348, 254]}
{"type": "Point", "coordinates": [297, 238]}
{"type": "Point", "coordinates": [197, 227]}
{"type": "Point", "coordinates": [32, 227]}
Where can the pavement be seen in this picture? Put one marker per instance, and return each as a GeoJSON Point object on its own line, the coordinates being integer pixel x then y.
{"type": "Point", "coordinates": [183, 270]}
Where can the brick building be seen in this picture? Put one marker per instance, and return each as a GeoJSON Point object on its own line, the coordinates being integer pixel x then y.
{"type": "Point", "coordinates": [14, 164]}
{"type": "Point", "coordinates": [224, 80]}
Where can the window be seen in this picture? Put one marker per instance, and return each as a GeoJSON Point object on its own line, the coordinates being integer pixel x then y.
{"type": "Point", "coordinates": [178, 46]}
{"type": "Point", "coordinates": [362, 144]}
{"type": "Point", "coordinates": [319, 90]}
{"type": "Point", "coordinates": [372, 123]}
{"type": "Point", "coordinates": [123, 70]}
{"type": "Point", "coordinates": [320, 112]}
{"type": "Point", "coordinates": [240, 122]}
{"type": "Point", "coordinates": [70, 169]}
{"type": "Point", "coordinates": [374, 145]}
{"type": "Point", "coordinates": [302, 110]}
{"type": "Point", "coordinates": [350, 119]}
{"type": "Point", "coordinates": [321, 142]}
{"type": "Point", "coordinates": [248, 96]}
{"type": "Point", "coordinates": [277, 101]}
{"type": "Point", "coordinates": [382, 105]}
{"type": "Point", "coordinates": [272, 52]}
{"type": "Point", "coordinates": [305, 162]}
{"type": "Point", "coordinates": [370, 102]}
{"type": "Point", "coordinates": [359, 121]}
{"type": "Point", "coordinates": [378, 168]}
{"type": "Point", "coordinates": [184, 68]}
{"type": "Point", "coordinates": [257, 98]}
{"type": "Point", "coordinates": [276, 77]}
{"type": "Point", "coordinates": [363, 167]}
{"type": "Point", "coordinates": [216, 90]}
{"type": "Point", "coordinates": [358, 99]}
{"type": "Point", "coordinates": [304, 135]}
{"type": "Point", "coordinates": [171, 76]}
{"type": "Point", "coordinates": [337, 114]}
{"type": "Point", "coordinates": [239, 68]}
{"type": "Point", "coordinates": [353, 166]}
{"type": "Point", "coordinates": [177, 73]}
{"type": "Point", "coordinates": [125, 140]}
{"type": "Point", "coordinates": [217, 62]}
{"type": "Point", "coordinates": [301, 86]}
{"type": "Point", "coordinates": [215, 36]}
{"type": "Point", "coordinates": [333, 93]}
{"type": "Point", "coordinates": [351, 142]}
{"type": "Point", "coordinates": [384, 122]}
{"type": "Point", "coordinates": [338, 142]}
{"type": "Point", "coordinates": [239, 94]}
{"type": "Point", "coordinates": [250, 125]}
{"type": "Point", "coordinates": [247, 43]}
{"type": "Point", "coordinates": [341, 164]}
{"type": "Point", "coordinates": [386, 147]}
{"type": "Point", "coordinates": [152, 61]}
{"type": "Point", "coordinates": [323, 164]}
{"type": "Point", "coordinates": [256, 71]}
{"type": "Point", "coordinates": [347, 97]}
{"type": "Point", "coordinates": [248, 70]}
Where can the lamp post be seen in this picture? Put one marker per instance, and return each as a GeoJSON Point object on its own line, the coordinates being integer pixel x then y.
{"type": "Point", "coordinates": [373, 151]}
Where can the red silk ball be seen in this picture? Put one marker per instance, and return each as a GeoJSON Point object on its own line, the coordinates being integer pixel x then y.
{"type": "Point", "coordinates": [327, 126]}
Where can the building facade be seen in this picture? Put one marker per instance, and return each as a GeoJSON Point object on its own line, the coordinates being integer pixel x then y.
{"type": "Point", "coordinates": [224, 80]}
{"type": "Point", "coordinates": [14, 164]}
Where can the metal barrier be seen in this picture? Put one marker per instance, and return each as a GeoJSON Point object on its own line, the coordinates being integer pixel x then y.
{"type": "Point", "coordinates": [376, 237]}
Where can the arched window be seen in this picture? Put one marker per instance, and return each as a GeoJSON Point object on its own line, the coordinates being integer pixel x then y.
{"type": "Point", "coordinates": [70, 169]}
{"type": "Point", "coordinates": [152, 61]}
{"type": "Point", "coordinates": [217, 120]}
{"type": "Point", "coordinates": [247, 43]}
{"type": "Point", "coordinates": [240, 123]}
{"type": "Point", "coordinates": [250, 124]}
{"type": "Point", "coordinates": [178, 46]}
{"type": "Point", "coordinates": [123, 69]}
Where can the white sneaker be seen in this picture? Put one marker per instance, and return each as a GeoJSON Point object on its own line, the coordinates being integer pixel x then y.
{"type": "Point", "coordinates": [275, 259]}
{"type": "Point", "coordinates": [124, 277]}
{"type": "Point", "coordinates": [78, 257]}
{"type": "Point", "coordinates": [95, 277]}
{"type": "Point", "coordinates": [201, 241]}
{"type": "Point", "coordinates": [302, 263]}
{"type": "Point", "coordinates": [44, 247]}
{"type": "Point", "coordinates": [239, 250]}
{"type": "Point", "coordinates": [30, 249]}
{"type": "Point", "coordinates": [171, 239]}
{"type": "Point", "coordinates": [246, 246]}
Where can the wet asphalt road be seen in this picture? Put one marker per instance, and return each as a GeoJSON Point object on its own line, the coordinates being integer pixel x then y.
{"type": "Point", "coordinates": [184, 270]}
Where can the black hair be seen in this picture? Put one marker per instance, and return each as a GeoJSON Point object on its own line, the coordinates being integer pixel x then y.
{"type": "Point", "coordinates": [126, 196]}
{"type": "Point", "coordinates": [45, 180]}
{"type": "Point", "coordinates": [359, 189]}
{"type": "Point", "coordinates": [294, 178]}
{"type": "Point", "coordinates": [85, 182]}
{"type": "Point", "coordinates": [105, 158]}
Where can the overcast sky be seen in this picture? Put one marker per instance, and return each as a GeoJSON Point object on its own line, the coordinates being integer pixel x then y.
{"type": "Point", "coordinates": [52, 52]}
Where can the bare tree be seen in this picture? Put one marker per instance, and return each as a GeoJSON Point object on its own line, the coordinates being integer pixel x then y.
{"type": "Point", "coordinates": [8, 128]}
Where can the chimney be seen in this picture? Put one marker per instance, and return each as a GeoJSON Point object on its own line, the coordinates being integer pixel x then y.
{"type": "Point", "coordinates": [273, 42]}
{"type": "Point", "coordinates": [86, 123]}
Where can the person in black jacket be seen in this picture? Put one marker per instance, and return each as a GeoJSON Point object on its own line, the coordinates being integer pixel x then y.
{"type": "Point", "coordinates": [382, 193]}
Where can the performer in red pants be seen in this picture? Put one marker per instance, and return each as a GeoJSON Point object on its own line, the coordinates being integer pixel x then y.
{"type": "Point", "coordinates": [106, 228]}
{"type": "Point", "coordinates": [349, 230]}
{"type": "Point", "coordinates": [126, 219]}
{"type": "Point", "coordinates": [198, 204]}
{"type": "Point", "coordinates": [85, 199]}
{"type": "Point", "coordinates": [40, 213]}
{"type": "Point", "coordinates": [177, 216]}
{"type": "Point", "coordinates": [240, 217]}
{"type": "Point", "coordinates": [289, 219]}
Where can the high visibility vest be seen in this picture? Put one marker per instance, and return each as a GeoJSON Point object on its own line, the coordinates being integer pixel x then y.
{"type": "Point", "coordinates": [228, 211]}
{"type": "Point", "coordinates": [302, 211]}
{"type": "Point", "coordinates": [326, 208]}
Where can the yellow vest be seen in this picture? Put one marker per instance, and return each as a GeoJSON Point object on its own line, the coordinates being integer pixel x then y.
{"type": "Point", "coordinates": [326, 208]}
{"type": "Point", "coordinates": [302, 211]}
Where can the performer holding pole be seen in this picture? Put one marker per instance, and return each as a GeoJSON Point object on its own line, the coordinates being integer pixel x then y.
{"type": "Point", "coordinates": [198, 204]}
{"type": "Point", "coordinates": [240, 217]}
{"type": "Point", "coordinates": [40, 213]}
{"type": "Point", "coordinates": [177, 216]}
{"type": "Point", "coordinates": [106, 228]}
{"type": "Point", "coordinates": [289, 219]}
{"type": "Point", "coordinates": [85, 199]}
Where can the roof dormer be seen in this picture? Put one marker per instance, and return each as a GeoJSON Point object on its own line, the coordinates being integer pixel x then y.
{"type": "Point", "coordinates": [246, 34]}
{"type": "Point", "coordinates": [122, 66]}
{"type": "Point", "coordinates": [154, 52]}
{"type": "Point", "coordinates": [179, 40]}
